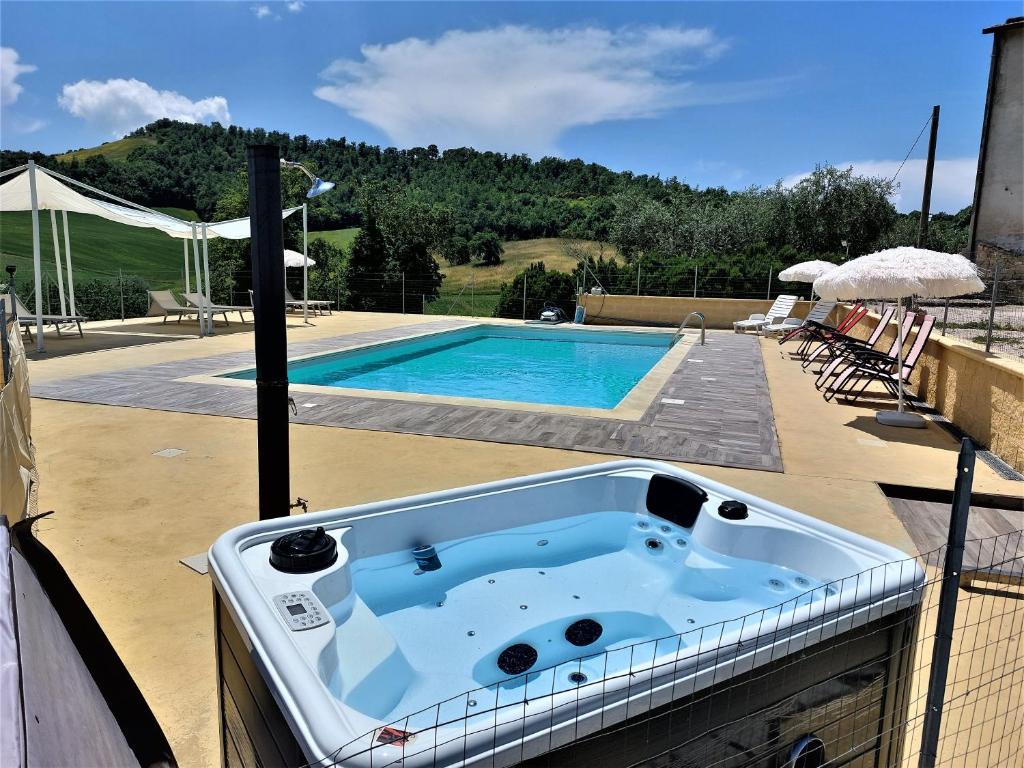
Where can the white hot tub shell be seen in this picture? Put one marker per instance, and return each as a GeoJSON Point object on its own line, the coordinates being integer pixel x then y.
{"type": "Point", "coordinates": [368, 660]}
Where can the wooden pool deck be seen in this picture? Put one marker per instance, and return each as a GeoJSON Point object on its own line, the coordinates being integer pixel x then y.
{"type": "Point", "coordinates": [714, 408]}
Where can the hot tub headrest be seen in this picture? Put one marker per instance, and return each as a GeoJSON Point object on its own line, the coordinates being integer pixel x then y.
{"type": "Point", "coordinates": [674, 499]}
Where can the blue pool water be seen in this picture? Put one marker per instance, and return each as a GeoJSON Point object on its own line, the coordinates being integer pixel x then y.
{"type": "Point", "coordinates": [646, 581]}
{"type": "Point", "coordinates": [551, 366]}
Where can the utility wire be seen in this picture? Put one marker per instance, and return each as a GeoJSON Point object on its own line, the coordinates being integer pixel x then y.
{"type": "Point", "coordinates": [911, 150]}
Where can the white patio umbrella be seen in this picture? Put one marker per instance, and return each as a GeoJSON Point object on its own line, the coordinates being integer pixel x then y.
{"type": "Point", "coordinates": [806, 271]}
{"type": "Point", "coordinates": [296, 259]}
{"type": "Point", "coordinates": [897, 273]}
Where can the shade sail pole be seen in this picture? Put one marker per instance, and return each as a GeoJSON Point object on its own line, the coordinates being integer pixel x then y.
{"type": "Point", "coordinates": [37, 264]}
{"type": "Point", "coordinates": [305, 264]}
{"type": "Point", "coordinates": [195, 256]}
{"type": "Point", "coordinates": [67, 258]}
{"type": "Point", "coordinates": [899, 352]}
{"type": "Point", "coordinates": [56, 258]}
{"type": "Point", "coordinates": [188, 282]}
{"type": "Point", "coordinates": [206, 275]}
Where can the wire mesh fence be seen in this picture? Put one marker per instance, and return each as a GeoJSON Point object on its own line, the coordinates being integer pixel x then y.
{"type": "Point", "coordinates": [993, 319]}
{"type": "Point", "coordinates": [840, 676]}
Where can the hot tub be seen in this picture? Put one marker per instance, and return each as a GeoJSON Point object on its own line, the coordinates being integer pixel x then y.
{"type": "Point", "coordinates": [492, 624]}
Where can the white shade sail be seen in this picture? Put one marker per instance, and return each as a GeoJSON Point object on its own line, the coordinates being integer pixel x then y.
{"type": "Point", "coordinates": [55, 195]}
{"type": "Point", "coordinates": [899, 272]}
{"type": "Point", "coordinates": [806, 271]}
{"type": "Point", "coordinates": [296, 259]}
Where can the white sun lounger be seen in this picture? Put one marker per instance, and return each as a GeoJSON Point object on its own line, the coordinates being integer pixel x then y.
{"type": "Point", "coordinates": [819, 314]}
{"type": "Point", "coordinates": [778, 312]}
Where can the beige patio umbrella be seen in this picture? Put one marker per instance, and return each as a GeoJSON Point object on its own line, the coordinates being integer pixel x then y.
{"type": "Point", "coordinates": [897, 273]}
{"type": "Point", "coordinates": [806, 271]}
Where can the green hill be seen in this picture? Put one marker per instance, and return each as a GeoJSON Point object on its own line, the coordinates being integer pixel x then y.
{"type": "Point", "coordinates": [98, 248]}
{"type": "Point", "coordinates": [112, 150]}
{"type": "Point", "coordinates": [342, 238]}
{"type": "Point", "coordinates": [471, 289]}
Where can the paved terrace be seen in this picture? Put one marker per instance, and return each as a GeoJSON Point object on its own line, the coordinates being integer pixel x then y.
{"type": "Point", "coordinates": [125, 515]}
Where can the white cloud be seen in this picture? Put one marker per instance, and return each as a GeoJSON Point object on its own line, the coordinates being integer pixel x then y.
{"type": "Point", "coordinates": [952, 182]}
{"type": "Point", "coordinates": [22, 125]}
{"type": "Point", "coordinates": [10, 70]}
{"type": "Point", "coordinates": [517, 88]}
{"type": "Point", "coordinates": [122, 105]}
{"type": "Point", "coordinates": [295, 6]}
{"type": "Point", "coordinates": [261, 11]}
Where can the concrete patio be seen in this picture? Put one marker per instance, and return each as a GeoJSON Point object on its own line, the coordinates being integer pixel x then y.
{"type": "Point", "coordinates": [125, 515]}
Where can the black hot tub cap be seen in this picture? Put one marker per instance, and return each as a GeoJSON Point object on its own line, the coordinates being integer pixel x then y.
{"type": "Point", "coordinates": [304, 551]}
{"type": "Point", "coordinates": [733, 510]}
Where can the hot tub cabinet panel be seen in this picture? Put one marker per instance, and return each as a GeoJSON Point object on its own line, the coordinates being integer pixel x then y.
{"type": "Point", "coordinates": [570, 618]}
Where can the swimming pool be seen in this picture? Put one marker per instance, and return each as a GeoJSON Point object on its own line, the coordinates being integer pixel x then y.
{"type": "Point", "coordinates": [550, 366]}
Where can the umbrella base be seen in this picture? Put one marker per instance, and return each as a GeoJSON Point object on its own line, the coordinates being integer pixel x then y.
{"type": "Point", "coordinates": [900, 419]}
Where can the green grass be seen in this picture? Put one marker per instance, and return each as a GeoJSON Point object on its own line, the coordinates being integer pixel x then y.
{"type": "Point", "coordinates": [98, 248]}
{"type": "Point", "coordinates": [471, 289]}
{"type": "Point", "coordinates": [112, 150]}
{"type": "Point", "coordinates": [342, 238]}
{"type": "Point", "coordinates": [517, 257]}
{"type": "Point", "coordinates": [179, 213]}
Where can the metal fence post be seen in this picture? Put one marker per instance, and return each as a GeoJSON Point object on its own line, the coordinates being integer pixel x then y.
{"type": "Point", "coordinates": [5, 350]}
{"type": "Point", "coordinates": [403, 293]}
{"type": "Point", "coordinates": [424, 297]}
{"type": "Point", "coordinates": [472, 298]}
{"type": "Point", "coordinates": [695, 281]}
{"type": "Point", "coordinates": [945, 316]}
{"type": "Point", "coordinates": [638, 277]}
{"type": "Point", "coordinates": [951, 570]}
{"type": "Point", "coordinates": [769, 296]}
{"type": "Point", "coordinates": [524, 296]}
{"type": "Point", "coordinates": [120, 290]}
{"type": "Point", "coordinates": [992, 308]}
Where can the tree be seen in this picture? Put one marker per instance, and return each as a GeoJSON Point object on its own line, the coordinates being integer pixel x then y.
{"type": "Point", "coordinates": [487, 247]}
{"type": "Point", "coordinates": [542, 287]}
{"type": "Point", "coordinates": [393, 248]}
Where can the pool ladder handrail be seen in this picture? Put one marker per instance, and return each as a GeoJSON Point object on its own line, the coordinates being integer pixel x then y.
{"type": "Point", "coordinates": [679, 331]}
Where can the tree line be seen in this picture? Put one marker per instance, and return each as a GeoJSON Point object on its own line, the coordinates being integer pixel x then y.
{"type": "Point", "coordinates": [417, 206]}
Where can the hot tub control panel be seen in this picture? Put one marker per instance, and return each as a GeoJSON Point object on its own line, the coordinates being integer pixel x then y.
{"type": "Point", "coordinates": [301, 610]}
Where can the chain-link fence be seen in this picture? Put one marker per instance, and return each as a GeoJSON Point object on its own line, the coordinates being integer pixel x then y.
{"type": "Point", "coordinates": [993, 318]}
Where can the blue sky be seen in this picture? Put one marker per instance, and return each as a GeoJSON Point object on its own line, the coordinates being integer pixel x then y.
{"type": "Point", "coordinates": [728, 94]}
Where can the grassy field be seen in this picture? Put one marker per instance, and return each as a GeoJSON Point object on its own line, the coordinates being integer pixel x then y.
{"type": "Point", "coordinates": [342, 238]}
{"type": "Point", "coordinates": [112, 150]}
{"type": "Point", "coordinates": [98, 248]}
{"type": "Point", "coordinates": [473, 290]}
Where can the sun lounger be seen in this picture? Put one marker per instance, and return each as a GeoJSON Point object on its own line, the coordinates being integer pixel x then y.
{"type": "Point", "coordinates": [845, 354]}
{"type": "Point", "coordinates": [778, 312]}
{"type": "Point", "coordinates": [869, 366]}
{"type": "Point", "coordinates": [164, 303]}
{"type": "Point", "coordinates": [792, 326]}
{"type": "Point", "coordinates": [197, 300]}
{"type": "Point", "coordinates": [833, 342]}
{"type": "Point", "coordinates": [27, 320]}
{"type": "Point", "coordinates": [813, 331]}
{"type": "Point", "coordinates": [317, 305]}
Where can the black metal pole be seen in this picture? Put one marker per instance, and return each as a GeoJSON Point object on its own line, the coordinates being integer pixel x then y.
{"type": "Point", "coordinates": [5, 350]}
{"type": "Point", "coordinates": [269, 320]}
{"type": "Point", "coordinates": [926, 199]}
{"type": "Point", "coordinates": [943, 643]}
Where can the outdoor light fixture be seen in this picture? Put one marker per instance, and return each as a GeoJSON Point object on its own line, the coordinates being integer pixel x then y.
{"type": "Point", "coordinates": [318, 187]}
